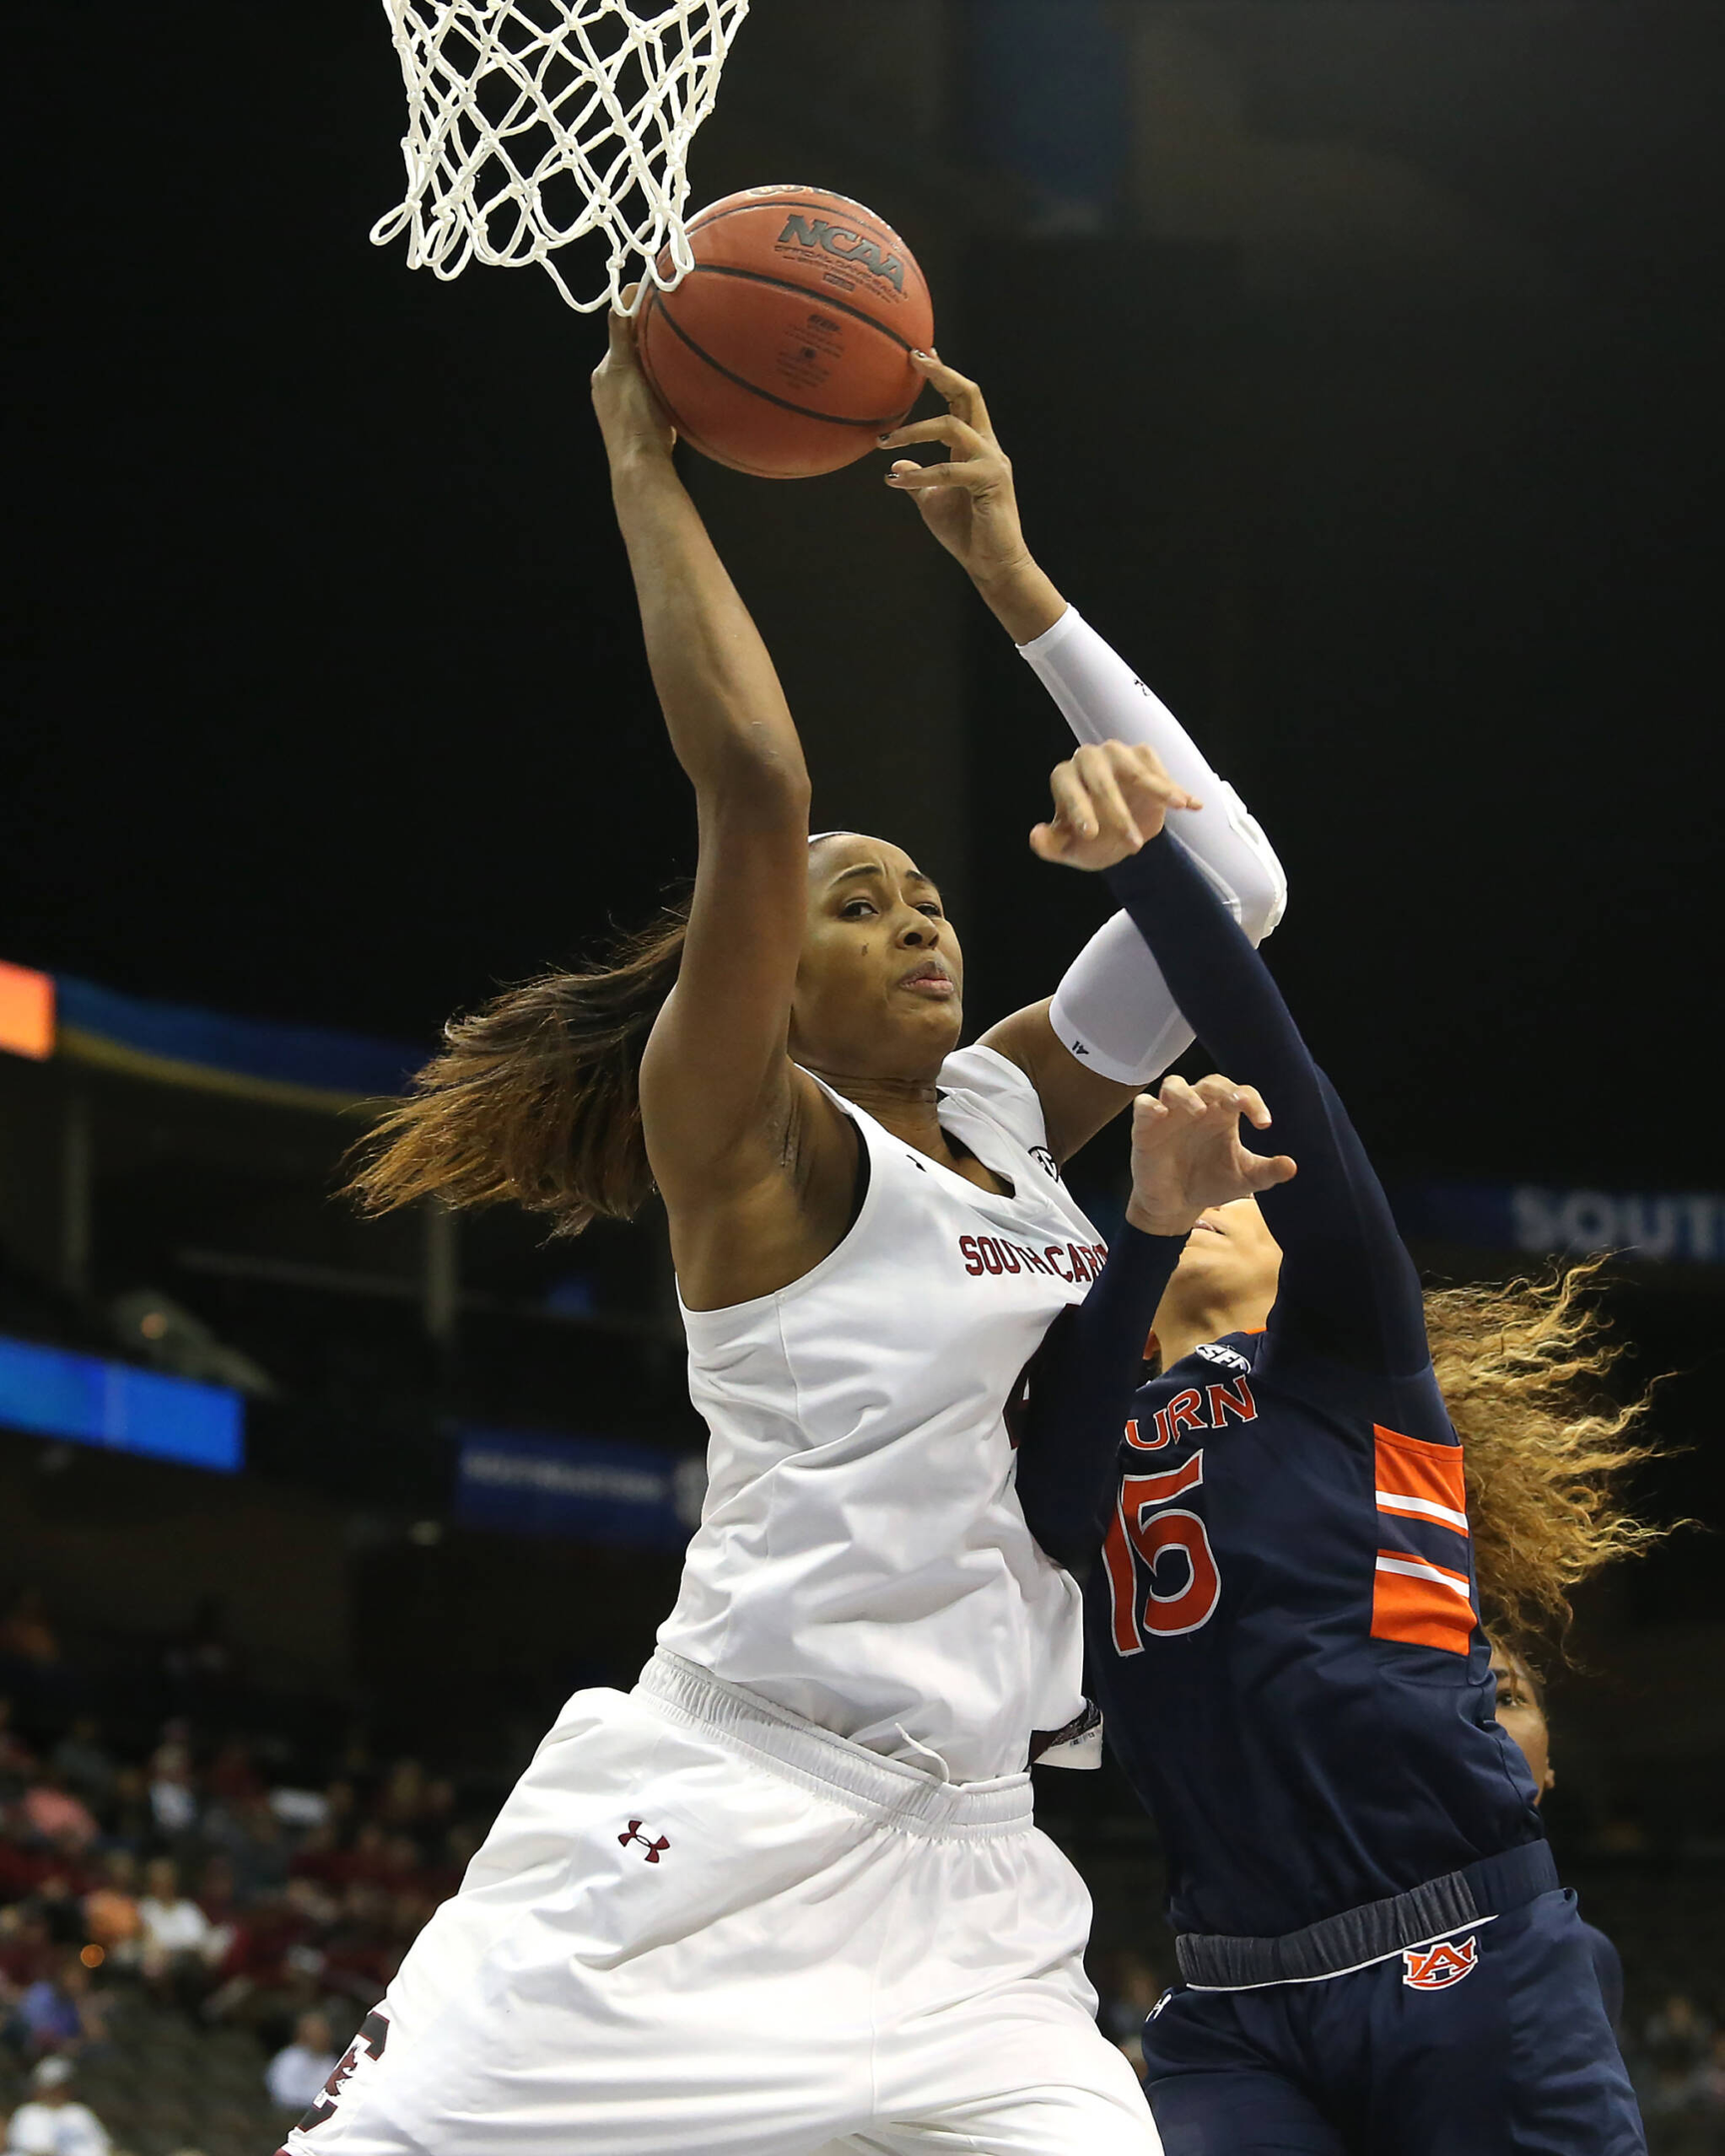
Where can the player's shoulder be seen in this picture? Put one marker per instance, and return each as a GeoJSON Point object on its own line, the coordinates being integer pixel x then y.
{"type": "Point", "coordinates": [1265, 1377]}
{"type": "Point", "coordinates": [1410, 1404]}
{"type": "Point", "coordinates": [990, 1084]}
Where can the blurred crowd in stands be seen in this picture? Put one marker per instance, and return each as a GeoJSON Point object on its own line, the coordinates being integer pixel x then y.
{"type": "Point", "coordinates": [199, 1903]}
{"type": "Point", "coordinates": [180, 1876]}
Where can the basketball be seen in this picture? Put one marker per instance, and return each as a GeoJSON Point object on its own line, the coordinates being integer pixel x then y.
{"type": "Point", "coordinates": [785, 349]}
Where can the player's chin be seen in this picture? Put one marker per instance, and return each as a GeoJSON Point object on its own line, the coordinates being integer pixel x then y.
{"type": "Point", "coordinates": [926, 1011]}
{"type": "Point", "coordinates": [1206, 1253]}
{"type": "Point", "coordinates": [928, 1030]}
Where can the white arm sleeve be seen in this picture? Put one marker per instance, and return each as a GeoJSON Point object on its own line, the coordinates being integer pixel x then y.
{"type": "Point", "coordinates": [1113, 1010]}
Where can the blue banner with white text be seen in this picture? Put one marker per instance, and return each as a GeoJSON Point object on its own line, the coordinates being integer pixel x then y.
{"type": "Point", "coordinates": [587, 1489]}
{"type": "Point", "coordinates": [1651, 1226]}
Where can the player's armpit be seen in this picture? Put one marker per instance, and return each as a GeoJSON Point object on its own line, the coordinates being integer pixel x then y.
{"type": "Point", "coordinates": [758, 1217]}
{"type": "Point", "coordinates": [746, 1152]}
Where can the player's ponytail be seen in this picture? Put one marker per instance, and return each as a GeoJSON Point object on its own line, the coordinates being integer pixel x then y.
{"type": "Point", "coordinates": [536, 1096]}
{"type": "Point", "coordinates": [1547, 1451]}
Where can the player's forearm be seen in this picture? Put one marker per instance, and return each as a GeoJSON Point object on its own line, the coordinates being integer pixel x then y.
{"type": "Point", "coordinates": [1343, 1260]}
{"type": "Point", "coordinates": [724, 707]}
{"type": "Point", "coordinates": [1023, 600]}
{"type": "Point", "coordinates": [1081, 1387]}
{"type": "Point", "coordinates": [1101, 698]}
{"type": "Point", "coordinates": [1220, 983]}
{"type": "Point", "coordinates": [1114, 1011]}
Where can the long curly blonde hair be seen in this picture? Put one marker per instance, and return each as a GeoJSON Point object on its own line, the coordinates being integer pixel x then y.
{"type": "Point", "coordinates": [1547, 1450]}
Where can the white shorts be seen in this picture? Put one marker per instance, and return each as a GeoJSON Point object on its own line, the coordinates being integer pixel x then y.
{"type": "Point", "coordinates": [703, 1924]}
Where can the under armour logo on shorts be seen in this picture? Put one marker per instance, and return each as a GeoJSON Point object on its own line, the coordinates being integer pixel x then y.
{"type": "Point", "coordinates": [1430, 1968]}
{"type": "Point", "coordinates": [653, 1848]}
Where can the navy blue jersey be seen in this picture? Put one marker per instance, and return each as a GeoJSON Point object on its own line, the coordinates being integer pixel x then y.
{"type": "Point", "coordinates": [1609, 1967]}
{"type": "Point", "coordinates": [1281, 1612]}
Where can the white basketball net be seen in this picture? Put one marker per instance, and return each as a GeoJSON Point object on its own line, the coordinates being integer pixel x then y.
{"type": "Point", "coordinates": [533, 123]}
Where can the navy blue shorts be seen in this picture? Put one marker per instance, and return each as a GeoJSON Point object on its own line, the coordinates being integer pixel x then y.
{"type": "Point", "coordinates": [1494, 2042]}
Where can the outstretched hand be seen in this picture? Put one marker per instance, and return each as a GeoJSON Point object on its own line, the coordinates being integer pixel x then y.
{"type": "Point", "coordinates": [968, 501]}
{"type": "Point", "coordinates": [1109, 800]}
{"type": "Point", "coordinates": [631, 417]}
{"type": "Point", "coordinates": [1187, 1155]}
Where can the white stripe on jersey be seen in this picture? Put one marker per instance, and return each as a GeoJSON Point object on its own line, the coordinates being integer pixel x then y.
{"type": "Point", "coordinates": [1427, 1508]}
{"type": "Point", "coordinates": [1452, 1580]}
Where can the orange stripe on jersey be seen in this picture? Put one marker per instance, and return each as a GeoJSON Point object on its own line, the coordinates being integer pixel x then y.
{"type": "Point", "coordinates": [1419, 1603]}
{"type": "Point", "coordinates": [1419, 1480]}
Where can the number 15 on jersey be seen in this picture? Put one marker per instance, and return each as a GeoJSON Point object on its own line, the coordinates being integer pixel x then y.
{"type": "Point", "coordinates": [1162, 1576]}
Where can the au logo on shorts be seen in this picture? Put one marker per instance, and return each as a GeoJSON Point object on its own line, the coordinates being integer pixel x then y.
{"type": "Point", "coordinates": [1431, 1968]}
{"type": "Point", "coordinates": [655, 1848]}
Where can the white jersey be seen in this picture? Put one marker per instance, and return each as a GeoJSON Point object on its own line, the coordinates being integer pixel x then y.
{"type": "Point", "coordinates": [862, 1559]}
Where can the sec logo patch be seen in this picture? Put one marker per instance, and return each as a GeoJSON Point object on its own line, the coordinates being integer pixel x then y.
{"type": "Point", "coordinates": [1434, 1969]}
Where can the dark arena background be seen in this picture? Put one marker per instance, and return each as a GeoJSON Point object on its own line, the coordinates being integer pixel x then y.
{"type": "Point", "coordinates": [1361, 368]}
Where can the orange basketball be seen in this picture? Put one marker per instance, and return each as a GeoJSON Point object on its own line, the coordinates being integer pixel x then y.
{"type": "Point", "coordinates": [785, 350]}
